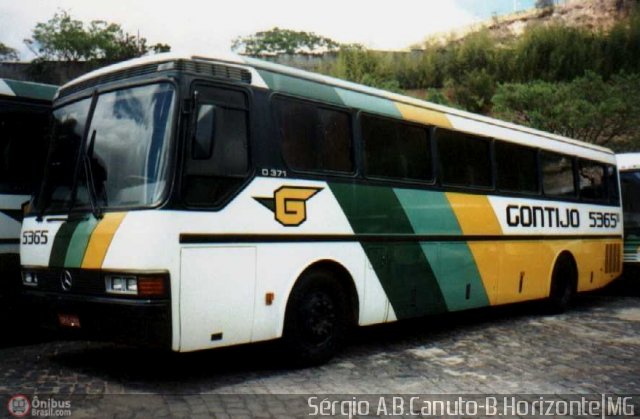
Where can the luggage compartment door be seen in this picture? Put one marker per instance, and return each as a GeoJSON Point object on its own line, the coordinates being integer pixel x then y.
{"type": "Point", "coordinates": [217, 296]}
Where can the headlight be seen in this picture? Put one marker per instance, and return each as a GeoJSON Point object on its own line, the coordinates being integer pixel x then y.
{"type": "Point", "coordinates": [141, 285]}
{"type": "Point", "coordinates": [127, 285]}
{"type": "Point", "coordinates": [30, 279]}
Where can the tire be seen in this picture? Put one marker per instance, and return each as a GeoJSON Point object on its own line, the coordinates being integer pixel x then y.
{"type": "Point", "coordinates": [563, 286]}
{"type": "Point", "coordinates": [316, 321]}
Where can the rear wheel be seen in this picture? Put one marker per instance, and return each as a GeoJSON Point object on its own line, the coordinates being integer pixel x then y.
{"type": "Point", "coordinates": [316, 321]}
{"type": "Point", "coordinates": [563, 285]}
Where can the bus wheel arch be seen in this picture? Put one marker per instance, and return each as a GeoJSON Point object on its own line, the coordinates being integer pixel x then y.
{"type": "Point", "coordinates": [563, 284]}
{"type": "Point", "coordinates": [321, 308]}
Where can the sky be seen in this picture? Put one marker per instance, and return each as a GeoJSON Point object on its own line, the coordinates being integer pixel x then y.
{"type": "Point", "coordinates": [203, 26]}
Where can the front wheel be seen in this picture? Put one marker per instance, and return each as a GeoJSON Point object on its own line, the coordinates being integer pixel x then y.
{"type": "Point", "coordinates": [316, 321]}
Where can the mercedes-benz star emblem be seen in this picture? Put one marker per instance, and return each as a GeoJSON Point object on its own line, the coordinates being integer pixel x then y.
{"type": "Point", "coordinates": [66, 281]}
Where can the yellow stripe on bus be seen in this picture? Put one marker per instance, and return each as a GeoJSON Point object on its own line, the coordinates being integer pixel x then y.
{"type": "Point", "coordinates": [476, 217]}
{"type": "Point", "coordinates": [424, 116]}
{"type": "Point", "coordinates": [475, 214]}
{"type": "Point", "coordinates": [101, 239]}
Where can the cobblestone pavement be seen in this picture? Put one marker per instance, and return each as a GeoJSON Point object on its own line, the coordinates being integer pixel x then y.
{"type": "Point", "coordinates": [593, 348]}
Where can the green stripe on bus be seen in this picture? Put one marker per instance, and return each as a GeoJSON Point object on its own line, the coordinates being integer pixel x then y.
{"type": "Point", "coordinates": [61, 244]}
{"type": "Point", "coordinates": [369, 103]}
{"type": "Point", "coordinates": [300, 87]}
{"type": "Point", "coordinates": [429, 212]}
{"type": "Point", "coordinates": [78, 243]}
{"type": "Point", "coordinates": [32, 90]}
{"type": "Point", "coordinates": [403, 270]}
{"type": "Point", "coordinates": [453, 263]}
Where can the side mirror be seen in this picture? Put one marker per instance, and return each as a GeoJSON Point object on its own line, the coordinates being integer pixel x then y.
{"type": "Point", "coordinates": [202, 146]}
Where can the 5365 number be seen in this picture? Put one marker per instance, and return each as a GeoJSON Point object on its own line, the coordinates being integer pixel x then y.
{"type": "Point", "coordinates": [603, 219]}
{"type": "Point", "coordinates": [35, 237]}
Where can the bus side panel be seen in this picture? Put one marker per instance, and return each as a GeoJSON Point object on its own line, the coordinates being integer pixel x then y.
{"type": "Point", "coordinates": [525, 270]}
{"type": "Point", "coordinates": [279, 266]}
{"type": "Point", "coordinates": [217, 296]}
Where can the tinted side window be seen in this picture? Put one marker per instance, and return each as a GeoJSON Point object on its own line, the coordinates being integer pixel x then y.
{"type": "Point", "coordinates": [23, 145]}
{"type": "Point", "coordinates": [517, 168]}
{"type": "Point", "coordinates": [612, 185]}
{"type": "Point", "coordinates": [214, 175]}
{"type": "Point", "coordinates": [393, 149]}
{"type": "Point", "coordinates": [592, 180]}
{"type": "Point", "coordinates": [557, 174]}
{"type": "Point", "coordinates": [314, 138]}
{"type": "Point", "coordinates": [630, 184]}
{"type": "Point", "coordinates": [464, 160]}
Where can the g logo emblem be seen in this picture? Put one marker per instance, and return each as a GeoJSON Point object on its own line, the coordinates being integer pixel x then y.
{"type": "Point", "coordinates": [66, 280]}
{"type": "Point", "coordinates": [289, 204]}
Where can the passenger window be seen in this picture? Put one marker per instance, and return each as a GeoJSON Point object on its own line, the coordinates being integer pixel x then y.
{"type": "Point", "coordinates": [464, 160]}
{"type": "Point", "coordinates": [612, 185]}
{"type": "Point", "coordinates": [557, 174]}
{"type": "Point", "coordinates": [517, 168]}
{"type": "Point", "coordinates": [314, 138]}
{"type": "Point", "coordinates": [592, 178]}
{"type": "Point", "coordinates": [23, 145]}
{"type": "Point", "coordinates": [394, 149]}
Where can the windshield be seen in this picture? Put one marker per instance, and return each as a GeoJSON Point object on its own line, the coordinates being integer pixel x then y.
{"type": "Point", "coordinates": [124, 161]}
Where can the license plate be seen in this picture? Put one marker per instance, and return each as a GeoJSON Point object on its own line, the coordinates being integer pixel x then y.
{"type": "Point", "coordinates": [69, 320]}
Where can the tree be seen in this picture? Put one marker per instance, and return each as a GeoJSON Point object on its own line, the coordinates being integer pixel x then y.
{"type": "Point", "coordinates": [7, 53]}
{"type": "Point", "coordinates": [588, 108]}
{"type": "Point", "coordinates": [473, 91]}
{"type": "Point", "coordinates": [356, 63]}
{"type": "Point", "coordinates": [63, 38]}
{"type": "Point", "coordinates": [283, 41]}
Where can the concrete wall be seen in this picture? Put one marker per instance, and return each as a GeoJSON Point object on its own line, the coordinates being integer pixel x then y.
{"type": "Point", "coordinates": [52, 72]}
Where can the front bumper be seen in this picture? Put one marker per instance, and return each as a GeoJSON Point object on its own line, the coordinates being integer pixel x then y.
{"type": "Point", "coordinates": [138, 322]}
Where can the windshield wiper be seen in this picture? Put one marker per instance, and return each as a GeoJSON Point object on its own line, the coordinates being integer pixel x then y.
{"type": "Point", "coordinates": [86, 160]}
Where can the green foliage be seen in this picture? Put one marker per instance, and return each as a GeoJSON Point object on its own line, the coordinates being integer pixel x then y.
{"type": "Point", "coordinates": [7, 53]}
{"type": "Point", "coordinates": [283, 41]}
{"type": "Point", "coordinates": [63, 38]}
{"type": "Point", "coordinates": [588, 108]}
{"type": "Point", "coordinates": [473, 91]}
{"type": "Point", "coordinates": [360, 65]}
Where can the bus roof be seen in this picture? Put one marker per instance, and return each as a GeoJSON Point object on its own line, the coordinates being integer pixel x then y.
{"type": "Point", "coordinates": [255, 65]}
{"type": "Point", "coordinates": [628, 161]}
{"type": "Point", "coordinates": [26, 89]}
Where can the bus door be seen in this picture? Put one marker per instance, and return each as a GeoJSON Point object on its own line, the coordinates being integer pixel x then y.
{"type": "Point", "coordinates": [217, 284]}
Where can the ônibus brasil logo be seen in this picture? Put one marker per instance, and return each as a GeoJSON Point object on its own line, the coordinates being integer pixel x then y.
{"type": "Point", "coordinates": [19, 406]}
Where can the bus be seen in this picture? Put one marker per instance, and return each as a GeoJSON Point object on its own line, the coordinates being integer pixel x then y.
{"type": "Point", "coordinates": [195, 202]}
{"type": "Point", "coordinates": [24, 118]}
{"type": "Point", "coordinates": [629, 167]}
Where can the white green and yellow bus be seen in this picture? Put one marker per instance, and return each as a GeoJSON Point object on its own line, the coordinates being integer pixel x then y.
{"type": "Point", "coordinates": [629, 167]}
{"type": "Point", "coordinates": [24, 118]}
{"type": "Point", "coordinates": [199, 202]}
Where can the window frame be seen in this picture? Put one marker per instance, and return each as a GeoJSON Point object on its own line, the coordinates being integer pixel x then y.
{"type": "Point", "coordinates": [355, 150]}
{"type": "Point", "coordinates": [465, 187]}
{"type": "Point", "coordinates": [538, 174]}
{"type": "Point", "coordinates": [430, 147]}
{"type": "Point", "coordinates": [605, 180]}
{"type": "Point", "coordinates": [190, 124]}
{"type": "Point", "coordinates": [574, 171]}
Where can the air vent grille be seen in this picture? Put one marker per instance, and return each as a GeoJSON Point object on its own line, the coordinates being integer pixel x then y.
{"type": "Point", "coordinates": [215, 70]}
{"type": "Point", "coordinates": [219, 71]}
{"type": "Point", "coordinates": [612, 262]}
